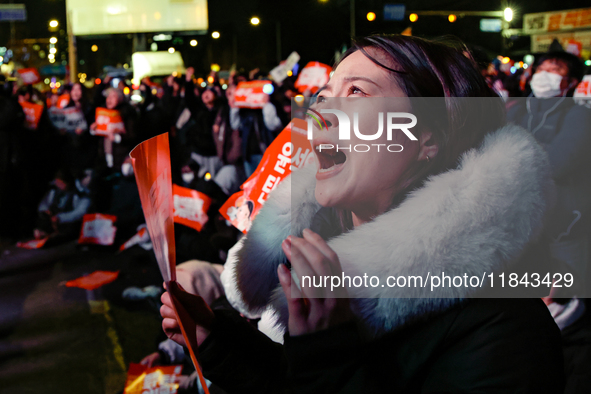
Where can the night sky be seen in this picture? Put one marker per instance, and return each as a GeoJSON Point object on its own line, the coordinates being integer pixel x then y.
{"type": "Point", "coordinates": [312, 28]}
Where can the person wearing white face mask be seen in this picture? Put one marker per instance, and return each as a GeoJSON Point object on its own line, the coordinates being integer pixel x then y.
{"type": "Point", "coordinates": [563, 128]}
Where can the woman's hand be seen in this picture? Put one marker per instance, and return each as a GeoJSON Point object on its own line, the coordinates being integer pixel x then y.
{"type": "Point", "coordinates": [312, 309]}
{"type": "Point", "coordinates": [151, 360]}
{"type": "Point", "coordinates": [201, 314]}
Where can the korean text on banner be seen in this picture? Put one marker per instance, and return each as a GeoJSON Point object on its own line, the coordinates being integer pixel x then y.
{"type": "Point", "coordinates": [98, 229]}
{"type": "Point", "coordinates": [67, 119]}
{"type": "Point", "coordinates": [583, 91]}
{"type": "Point", "coordinates": [190, 207]}
{"type": "Point", "coordinates": [32, 114]}
{"type": "Point", "coordinates": [313, 76]}
{"type": "Point", "coordinates": [291, 149]}
{"type": "Point", "coordinates": [151, 165]}
{"type": "Point", "coordinates": [251, 94]}
{"type": "Point", "coordinates": [160, 379]}
{"type": "Point", "coordinates": [29, 76]}
{"type": "Point", "coordinates": [108, 122]}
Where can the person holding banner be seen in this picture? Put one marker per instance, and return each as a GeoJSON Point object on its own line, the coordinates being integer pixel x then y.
{"type": "Point", "coordinates": [470, 193]}
{"type": "Point", "coordinates": [121, 139]}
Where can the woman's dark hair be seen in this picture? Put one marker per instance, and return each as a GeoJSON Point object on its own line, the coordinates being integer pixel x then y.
{"type": "Point", "coordinates": [83, 98]}
{"type": "Point", "coordinates": [427, 69]}
{"type": "Point", "coordinates": [250, 206]}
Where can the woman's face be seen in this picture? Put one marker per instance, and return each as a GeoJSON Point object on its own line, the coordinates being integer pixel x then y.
{"type": "Point", "coordinates": [76, 93]}
{"type": "Point", "coordinates": [243, 213]}
{"type": "Point", "coordinates": [363, 182]}
{"type": "Point", "coordinates": [112, 100]}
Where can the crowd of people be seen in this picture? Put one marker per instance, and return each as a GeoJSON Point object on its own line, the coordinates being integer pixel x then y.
{"type": "Point", "coordinates": [262, 339]}
{"type": "Point", "coordinates": [53, 172]}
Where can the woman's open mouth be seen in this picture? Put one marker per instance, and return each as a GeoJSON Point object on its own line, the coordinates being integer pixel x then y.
{"type": "Point", "coordinates": [329, 160]}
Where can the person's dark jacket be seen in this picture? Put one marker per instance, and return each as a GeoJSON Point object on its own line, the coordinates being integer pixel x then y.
{"type": "Point", "coordinates": [256, 137]}
{"type": "Point", "coordinates": [564, 130]}
{"type": "Point", "coordinates": [480, 346]}
{"type": "Point", "coordinates": [200, 127]}
{"type": "Point", "coordinates": [227, 140]}
{"type": "Point", "coordinates": [477, 219]}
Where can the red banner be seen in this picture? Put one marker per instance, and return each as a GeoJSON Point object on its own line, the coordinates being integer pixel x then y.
{"type": "Point", "coordinates": [32, 114]}
{"type": "Point", "coordinates": [32, 244]}
{"type": "Point", "coordinates": [140, 237]}
{"type": "Point", "coordinates": [108, 122]}
{"type": "Point", "coordinates": [93, 281]}
{"type": "Point", "coordinates": [151, 165]}
{"type": "Point", "coordinates": [190, 207]}
{"type": "Point", "coordinates": [63, 100]}
{"type": "Point", "coordinates": [29, 76]}
{"type": "Point", "coordinates": [251, 94]}
{"type": "Point", "coordinates": [313, 76]}
{"type": "Point", "coordinates": [98, 229]}
{"type": "Point", "coordinates": [290, 149]}
{"type": "Point", "coordinates": [160, 379]}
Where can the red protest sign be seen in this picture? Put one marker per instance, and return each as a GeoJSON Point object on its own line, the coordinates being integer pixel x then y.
{"type": "Point", "coordinates": [63, 100]}
{"type": "Point", "coordinates": [290, 149]}
{"type": "Point", "coordinates": [151, 165]}
{"type": "Point", "coordinates": [250, 94]}
{"type": "Point", "coordinates": [190, 207]}
{"type": "Point", "coordinates": [93, 281]}
{"type": "Point", "coordinates": [29, 76]}
{"type": "Point", "coordinates": [32, 244]}
{"type": "Point", "coordinates": [108, 121]}
{"type": "Point", "coordinates": [140, 237]}
{"type": "Point", "coordinates": [98, 229]}
{"type": "Point", "coordinates": [160, 379]}
{"type": "Point", "coordinates": [32, 114]}
{"type": "Point", "coordinates": [313, 76]}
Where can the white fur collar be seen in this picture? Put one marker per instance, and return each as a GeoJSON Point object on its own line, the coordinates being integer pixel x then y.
{"type": "Point", "coordinates": [477, 217]}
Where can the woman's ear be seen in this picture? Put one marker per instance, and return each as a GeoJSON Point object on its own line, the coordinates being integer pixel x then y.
{"type": "Point", "coordinates": [428, 148]}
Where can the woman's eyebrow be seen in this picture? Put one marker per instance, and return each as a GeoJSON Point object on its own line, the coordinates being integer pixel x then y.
{"type": "Point", "coordinates": [322, 88]}
{"type": "Point", "coordinates": [355, 78]}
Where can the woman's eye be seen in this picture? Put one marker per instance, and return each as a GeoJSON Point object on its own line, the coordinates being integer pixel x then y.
{"type": "Point", "coordinates": [320, 99]}
{"type": "Point", "coordinates": [355, 90]}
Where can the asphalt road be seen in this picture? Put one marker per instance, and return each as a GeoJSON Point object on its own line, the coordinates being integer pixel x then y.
{"type": "Point", "coordinates": [58, 339]}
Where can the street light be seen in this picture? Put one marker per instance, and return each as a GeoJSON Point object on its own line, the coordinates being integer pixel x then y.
{"type": "Point", "coordinates": [53, 40]}
{"type": "Point", "coordinates": [171, 50]}
{"type": "Point", "coordinates": [215, 34]}
{"type": "Point", "coordinates": [452, 18]}
{"type": "Point", "coordinates": [254, 21]}
{"type": "Point", "coordinates": [413, 17]}
{"type": "Point", "coordinates": [94, 48]}
{"type": "Point", "coordinates": [371, 16]}
{"type": "Point", "coordinates": [508, 13]}
{"type": "Point", "coordinates": [193, 43]}
{"type": "Point", "coordinates": [53, 23]}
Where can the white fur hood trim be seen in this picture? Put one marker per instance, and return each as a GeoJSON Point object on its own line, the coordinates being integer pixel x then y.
{"type": "Point", "coordinates": [477, 217]}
